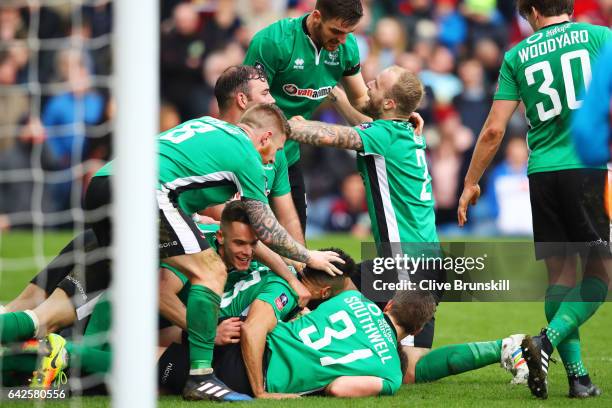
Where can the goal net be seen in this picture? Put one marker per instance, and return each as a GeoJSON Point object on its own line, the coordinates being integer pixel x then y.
{"type": "Point", "coordinates": [78, 87]}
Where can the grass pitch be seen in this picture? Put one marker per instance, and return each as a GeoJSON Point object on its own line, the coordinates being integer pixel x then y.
{"type": "Point", "coordinates": [455, 323]}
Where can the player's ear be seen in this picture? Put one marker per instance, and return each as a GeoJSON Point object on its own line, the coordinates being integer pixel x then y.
{"type": "Point", "coordinates": [389, 104]}
{"type": "Point", "coordinates": [316, 16]}
{"type": "Point", "coordinates": [388, 306]}
{"type": "Point", "coordinates": [266, 138]}
{"type": "Point", "coordinates": [241, 100]}
{"type": "Point", "coordinates": [219, 235]}
{"type": "Point", "coordinates": [326, 292]}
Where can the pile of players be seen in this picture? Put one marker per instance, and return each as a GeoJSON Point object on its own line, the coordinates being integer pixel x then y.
{"type": "Point", "coordinates": [233, 301]}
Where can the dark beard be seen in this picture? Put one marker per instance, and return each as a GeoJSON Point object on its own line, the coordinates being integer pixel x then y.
{"type": "Point", "coordinates": [373, 111]}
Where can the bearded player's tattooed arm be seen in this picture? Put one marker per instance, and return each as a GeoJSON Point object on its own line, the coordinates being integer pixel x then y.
{"type": "Point", "coordinates": [324, 134]}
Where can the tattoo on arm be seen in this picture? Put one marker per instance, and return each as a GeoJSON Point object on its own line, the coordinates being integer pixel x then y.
{"type": "Point", "coordinates": [323, 134]}
{"type": "Point", "coordinates": [271, 233]}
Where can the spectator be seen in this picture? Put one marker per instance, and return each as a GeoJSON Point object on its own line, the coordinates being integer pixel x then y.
{"type": "Point", "coordinates": [182, 57]}
{"type": "Point", "coordinates": [388, 42]}
{"type": "Point", "coordinates": [488, 53]}
{"type": "Point", "coordinates": [257, 14]}
{"type": "Point", "coordinates": [19, 162]}
{"type": "Point", "coordinates": [453, 28]}
{"type": "Point", "coordinates": [440, 76]}
{"type": "Point", "coordinates": [168, 117]}
{"type": "Point", "coordinates": [507, 191]}
{"type": "Point", "coordinates": [14, 103]}
{"type": "Point", "coordinates": [446, 161]}
{"type": "Point", "coordinates": [223, 27]}
{"type": "Point", "coordinates": [349, 212]}
{"type": "Point", "coordinates": [11, 25]}
{"type": "Point", "coordinates": [65, 117]}
{"type": "Point", "coordinates": [474, 101]}
{"type": "Point", "coordinates": [485, 22]}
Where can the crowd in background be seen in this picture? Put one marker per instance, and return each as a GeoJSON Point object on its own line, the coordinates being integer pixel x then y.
{"type": "Point", "coordinates": [57, 111]}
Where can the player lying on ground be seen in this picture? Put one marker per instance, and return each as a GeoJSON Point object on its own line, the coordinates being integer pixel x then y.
{"type": "Point", "coordinates": [391, 160]}
{"type": "Point", "coordinates": [248, 292]}
{"type": "Point", "coordinates": [236, 90]}
{"type": "Point", "coordinates": [547, 72]}
{"type": "Point", "coordinates": [252, 290]}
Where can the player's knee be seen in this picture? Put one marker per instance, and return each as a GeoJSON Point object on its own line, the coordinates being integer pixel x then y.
{"type": "Point", "coordinates": [213, 263]}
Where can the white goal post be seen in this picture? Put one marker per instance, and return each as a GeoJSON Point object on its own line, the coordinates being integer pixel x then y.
{"type": "Point", "coordinates": [136, 87]}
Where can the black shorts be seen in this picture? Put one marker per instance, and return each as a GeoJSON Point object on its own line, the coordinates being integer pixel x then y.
{"type": "Point", "coordinates": [83, 278]}
{"type": "Point", "coordinates": [178, 233]}
{"type": "Point", "coordinates": [298, 192]}
{"type": "Point", "coordinates": [64, 262]}
{"type": "Point", "coordinates": [568, 209]}
{"type": "Point", "coordinates": [173, 367]}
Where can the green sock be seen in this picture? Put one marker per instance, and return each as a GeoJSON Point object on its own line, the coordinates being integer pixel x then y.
{"type": "Point", "coordinates": [92, 360]}
{"type": "Point", "coordinates": [23, 363]}
{"type": "Point", "coordinates": [457, 359]}
{"type": "Point", "coordinates": [578, 306]}
{"type": "Point", "coordinates": [202, 315]}
{"type": "Point", "coordinates": [16, 326]}
{"type": "Point", "coordinates": [569, 348]}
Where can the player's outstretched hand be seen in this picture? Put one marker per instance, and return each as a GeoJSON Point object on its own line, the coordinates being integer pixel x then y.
{"type": "Point", "coordinates": [418, 122]}
{"type": "Point", "coordinates": [228, 331]}
{"type": "Point", "coordinates": [470, 195]}
{"type": "Point", "coordinates": [277, 395]}
{"type": "Point", "coordinates": [303, 293]}
{"type": "Point", "coordinates": [322, 260]}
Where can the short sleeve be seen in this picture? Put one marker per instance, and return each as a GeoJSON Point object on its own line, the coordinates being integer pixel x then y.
{"type": "Point", "coordinates": [281, 185]}
{"type": "Point", "coordinates": [388, 388]}
{"type": "Point", "coordinates": [252, 179]}
{"type": "Point", "coordinates": [375, 139]}
{"type": "Point", "coordinates": [262, 55]}
{"type": "Point", "coordinates": [352, 63]}
{"type": "Point", "coordinates": [507, 87]}
{"type": "Point", "coordinates": [280, 296]}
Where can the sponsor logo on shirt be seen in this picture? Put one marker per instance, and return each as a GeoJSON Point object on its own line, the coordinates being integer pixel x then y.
{"type": "Point", "coordinates": [332, 58]}
{"type": "Point", "coordinates": [314, 94]}
{"type": "Point", "coordinates": [298, 63]}
{"type": "Point", "coordinates": [281, 301]}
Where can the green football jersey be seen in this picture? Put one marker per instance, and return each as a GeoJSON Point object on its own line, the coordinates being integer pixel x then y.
{"type": "Point", "coordinates": [548, 71]}
{"type": "Point", "coordinates": [277, 176]}
{"type": "Point", "coordinates": [258, 283]}
{"type": "Point", "coordinates": [300, 75]}
{"type": "Point", "coordinates": [206, 161]}
{"type": "Point", "coordinates": [243, 287]}
{"type": "Point", "coordinates": [347, 335]}
{"type": "Point", "coordinates": [397, 181]}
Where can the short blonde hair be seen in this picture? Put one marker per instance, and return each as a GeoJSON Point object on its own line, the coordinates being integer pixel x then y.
{"type": "Point", "coordinates": [407, 91]}
{"type": "Point", "coordinates": [259, 116]}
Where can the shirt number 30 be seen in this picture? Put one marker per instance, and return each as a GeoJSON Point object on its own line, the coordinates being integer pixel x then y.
{"type": "Point", "coordinates": [570, 91]}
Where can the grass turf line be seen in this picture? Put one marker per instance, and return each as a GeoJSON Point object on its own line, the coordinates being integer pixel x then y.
{"type": "Point", "coordinates": [455, 323]}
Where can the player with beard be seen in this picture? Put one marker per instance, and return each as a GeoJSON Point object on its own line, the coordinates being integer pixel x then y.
{"type": "Point", "coordinates": [391, 160]}
{"type": "Point", "coordinates": [309, 56]}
